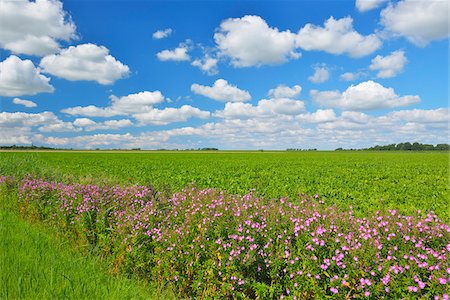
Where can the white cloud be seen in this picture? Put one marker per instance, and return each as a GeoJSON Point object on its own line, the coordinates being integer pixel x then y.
{"type": "Point", "coordinates": [266, 108]}
{"type": "Point", "coordinates": [249, 41]}
{"type": "Point", "coordinates": [34, 27]}
{"type": "Point", "coordinates": [322, 129]}
{"type": "Point", "coordinates": [207, 64]}
{"type": "Point", "coordinates": [161, 34]}
{"type": "Point", "coordinates": [283, 91]}
{"type": "Point", "coordinates": [440, 115]}
{"type": "Point", "coordinates": [47, 121]}
{"type": "Point", "coordinates": [20, 77]}
{"type": "Point", "coordinates": [282, 106]}
{"type": "Point", "coordinates": [368, 95]}
{"type": "Point", "coordinates": [321, 74]}
{"type": "Point", "coordinates": [136, 103]}
{"type": "Point", "coordinates": [178, 54]}
{"type": "Point", "coordinates": [90, 125]}
{"type": "Point", "coordinates": [349, 76]}
{"type": "Point", "coordinates": [26, 103]}
{"type": "Point", "coordinates": [85, 62]}
{"type": "Point", "coordinates": [319, 116]}
{"type": "Point", "coordinates": [221, 91]}
{"type": "Point", "coordinates": [337, 37]}
{"type": "Point", "coordinates": [171, 115]}
{"type": "Point", "coordinates": [419, 21]}
{"type": "Point", "coordinates": [126, 105]}
{"type": "Point", "coordinates": [390, 65]}
{"type": "Point", "coordinates": [366, 5]}
{"type": "Point", "coordinates": [84, 122]}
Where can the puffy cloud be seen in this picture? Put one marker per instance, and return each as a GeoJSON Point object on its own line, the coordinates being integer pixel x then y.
{"type": "Point", "coordinates": [368, 95]}
{"type": "Point", "coordinates": [349, 76]}
{"type": "Point", "coordinates": [136, 103]}
{"type": "Point", "coordinates": [20, 77]}
{"type": "Point", "coordinates": [178, 54]}
{"type": "Point", "coordinates": [319, 116]}
{"type": "Point", "coordinates": [161, 34]}
{"type": "Point", "coordinates": [366, 5]}
{"type": "Point", "coordinates": [337, 37]}
{"type": "Point", "coordinates": [249, 41]}
{"type": "Point", "coordinates": [47, 120]}
{"type": "Point", "coordinates": [283, 91]}
{"type": "Point", "coordinates": [26, 103]}
{"type": "Point", "coordinates": [126, 105]}
{"type": "Point", "coordinates": [34, 27]}
{"type": "Point", "coordinates": [90, 125]}
{"type": "Point", "coordinates": [440, 115]}
{"type": "Point", "coordinates": [84, 122]}
{"type": "Point", "coordinates": [85, 62]}
{"type": "Point", "coordinates": [390, 65]}
{"type": "Point", "coordinates": [419, 21]}
{"type": "Point", "coordinates": [171, 115]}
{"type": "Point", "coordinates": [221, 91]}
{"type": "Point", "coordinates": [266, 108]}
{"type": "Point", "coordinates": [207, 64]}
{"type": "Point", "coordinates": [322, 129]}
{"type": "Point", "coordinates": [321, 74]}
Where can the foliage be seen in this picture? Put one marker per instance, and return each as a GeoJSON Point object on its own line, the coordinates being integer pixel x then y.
{"type": "Point", "coordinates": [210, 244]}
{"type": "Point", "coordinates": [39, 263]}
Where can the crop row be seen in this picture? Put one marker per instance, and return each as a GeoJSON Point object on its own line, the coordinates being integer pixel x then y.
{"type": "Point", "coordinates": [209, 244]}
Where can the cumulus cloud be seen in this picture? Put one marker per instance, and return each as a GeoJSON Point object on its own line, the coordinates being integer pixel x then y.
{"type": "Point", "coordinates": [85, 62]}
{"type": "Point", "coordinates": [221, 91]}
{"type": "Point", "coordinates": [266, 108]}
{"type": "Point", "coordinates": [249, 41]}
{"type": "Point", "coordinates": [368, 95]}
{"type": "Point", "coordinates": [47, 121]}
{"type": "Point", "coordinates": [207, 64]}
{"type": "Point", "coordinates": [178, 54]}
{"type": "Point", "coordinates": [390, 65]}
{"type": "Point", "coordinates": [171, 115]}
{"type": "Point", "coordinates": [319, 116]}
{"type": "Point", "coordinates": [34, 27]}
{"type": "Point", "coordinates": [161, 34]}
{"type": "Point", "coordinates": [26, 103]}
{"type": "Point", "coordinates": [419, 21]}
{"type": "Point", "coordinates": [283, 91]}
{"type": "Point", "coordinates": [322, 129]}
{"type": "Point", "coordinates": [90, 125]}
{"type": "Point", "coordinates": [337, 37]}
{"type": "Point", "coordinates": [366, 5]}
{"type": "Point", "coordinates": [440, 115]}
{"type": "Point", "coordinates": [126, 105]}
{"type": "Point", "coordinates": [321, 74]}
{"type": "Point", "coordinates": [349, 76]}
{"type": "Point", "coordinates": [20, 77]}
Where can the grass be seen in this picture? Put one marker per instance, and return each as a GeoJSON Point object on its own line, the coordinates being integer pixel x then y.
{"type": "Point", "coordinates": [38, 263]}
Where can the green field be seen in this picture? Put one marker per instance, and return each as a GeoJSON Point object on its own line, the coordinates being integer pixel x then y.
{"type": "Point", "coordinates": [368, 181]}
{"type": "Point", "coordinates": [67, 219]}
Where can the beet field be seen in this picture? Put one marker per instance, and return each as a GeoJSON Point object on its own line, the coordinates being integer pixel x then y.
{"type": "Point", "coordinates": [215, 225]}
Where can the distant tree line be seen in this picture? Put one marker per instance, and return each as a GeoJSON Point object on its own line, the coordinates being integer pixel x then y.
{"type": "Point", "coordinates": [32, 147]}
{"type": "Point", "coordinates": [299, 149]}
{"type": "Point", "coordinates": [405, 147]}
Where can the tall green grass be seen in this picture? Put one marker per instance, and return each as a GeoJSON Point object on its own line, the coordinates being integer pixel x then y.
{"type": "Point", "coordinates": [38, 263]}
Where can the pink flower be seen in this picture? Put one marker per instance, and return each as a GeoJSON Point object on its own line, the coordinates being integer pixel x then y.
{"type": "Point", "coordinates": [413, 289]}
{"type": "Point", "coordinates": [334, 290]}
{"type": "Point", "coordinates": [442, 280]}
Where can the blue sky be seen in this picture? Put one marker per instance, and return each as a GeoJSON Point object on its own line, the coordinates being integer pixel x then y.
{"type": "Point", "coordinates": [226, 74]}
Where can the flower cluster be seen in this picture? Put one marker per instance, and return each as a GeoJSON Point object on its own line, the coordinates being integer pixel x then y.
{"type": "Point", "coordinates": [206, 243]}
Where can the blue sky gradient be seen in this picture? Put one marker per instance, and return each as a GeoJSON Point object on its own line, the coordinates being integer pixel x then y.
{"type": "Point", "coordinates": [408, 103]}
